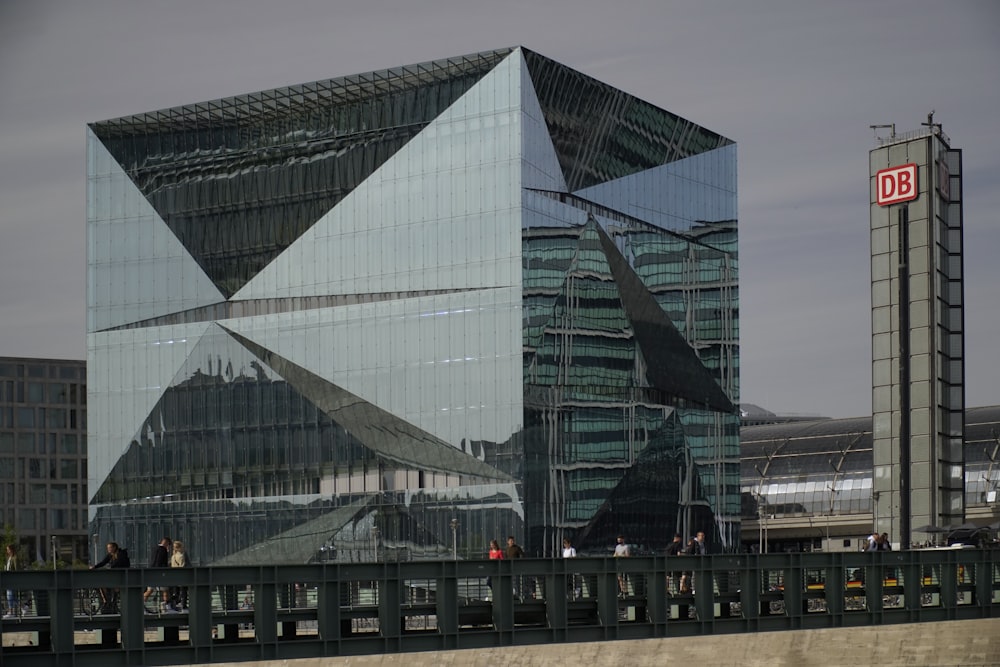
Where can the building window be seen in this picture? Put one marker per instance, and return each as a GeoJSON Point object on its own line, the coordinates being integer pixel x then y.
{"type": "Point", "coordinates": [36, 392]}
{"type": "Point", "coordinates": [57, 519]}
{"type": "Point", "coordinates": [60, 495]}
{"type": "Point", "coordinates": [55, 418]}
{"type": "Point", "coordinates": [57, 392]}
{"type": "Point", "coordinates": [36, 494]}
{"type": "Point", "coordinates": [26, 417]}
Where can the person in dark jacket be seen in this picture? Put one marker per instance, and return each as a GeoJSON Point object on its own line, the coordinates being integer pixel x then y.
{"type": "Point", "coordinates": [160, 557]}
{"type": "Point", "coordinates": [674, 549]}
{"type": "Point", "coordinates": [514, 551]}
{"type": "Point", "coordinates": [116, 558]}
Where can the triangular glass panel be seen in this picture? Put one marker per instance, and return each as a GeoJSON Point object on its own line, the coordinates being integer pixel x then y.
{"type": "Point", "coordinates": [601, 133]}
{"type": "Point", "coordinates": [235, 408]}
{"type": "Point", "coordinates": [155, 276]}
{"type": "Point", "coordinates": [239, 179]}
{"type": "Point", "coordinates": [605, 328]}
{"type": "Point", "coordinates": [389, 235]}
{"type": "Point", "coordinates": [651, 492]}
{"type": "Point", "coordinates": [672, 366]}
{"type": "Point", "coordinates": [121, 398]}
{"type": "Point", "coordinates": [391, 438]}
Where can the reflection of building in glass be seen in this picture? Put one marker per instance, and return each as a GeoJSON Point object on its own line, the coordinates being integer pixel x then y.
{"type": "Point", "coordinates": [43, 456]}
{"type": "Point", "coordinates": [326, 320]}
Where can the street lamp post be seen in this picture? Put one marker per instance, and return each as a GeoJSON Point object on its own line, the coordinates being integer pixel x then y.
{"type": "Point", "coordinates": [454, 539]}
{"type": "Point", "coordinates": [762, 509]}
{"type": "Point", "coordinates": [833, 491]}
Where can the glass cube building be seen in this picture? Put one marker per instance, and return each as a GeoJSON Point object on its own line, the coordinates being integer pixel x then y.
{"type": "Point", "coordinates": [398, 314]}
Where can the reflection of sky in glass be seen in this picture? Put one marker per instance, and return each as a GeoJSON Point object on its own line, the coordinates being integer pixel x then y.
{"type": "Point", "coordinates": [677, 195]}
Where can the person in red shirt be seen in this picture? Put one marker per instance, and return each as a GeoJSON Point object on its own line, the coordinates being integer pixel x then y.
{"type": "Point", "coordinates": [496, 553]}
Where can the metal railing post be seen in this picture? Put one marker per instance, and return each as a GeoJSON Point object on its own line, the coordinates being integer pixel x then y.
{"type": "Point", "coordinates": [329, 624]}
{"type": "Point", "coordinates": [61, 612]}
{"type": "Point", "coordinates": [388, 607]}
{"type": "Point", "coordinates": [132, 611]}
{"type": "Point", "coordinates": [750, 587]}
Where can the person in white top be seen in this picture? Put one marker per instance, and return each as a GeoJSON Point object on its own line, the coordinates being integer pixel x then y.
{"type": "Point", "coordinates": [568, 550]}
{"type": "Point", "coordinates": [574, 581]}
{"type": "Point", "coordinates": [622, 550]}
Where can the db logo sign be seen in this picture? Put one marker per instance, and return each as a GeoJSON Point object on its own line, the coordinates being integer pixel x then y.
{"type": "Point", "coordinates": [896, 184]}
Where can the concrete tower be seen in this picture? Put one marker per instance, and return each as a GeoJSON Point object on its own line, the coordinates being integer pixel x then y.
{"type": "Point", "coordinates": [918, 359]}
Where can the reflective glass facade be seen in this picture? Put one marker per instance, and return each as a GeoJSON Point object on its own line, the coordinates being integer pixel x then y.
{"type": "Point", "coordinates": [399, 314]}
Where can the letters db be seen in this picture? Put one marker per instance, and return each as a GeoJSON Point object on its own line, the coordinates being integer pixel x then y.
{"type": "Point", "coordinates": [896, 184]}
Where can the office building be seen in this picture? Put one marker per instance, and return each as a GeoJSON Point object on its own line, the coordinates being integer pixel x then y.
{"type": "Point", "coordinates": [918, 356]}
{"type": "Point", "coordinates": [43, 457]}
{"type": "Point", "coordinates": [397, 314]}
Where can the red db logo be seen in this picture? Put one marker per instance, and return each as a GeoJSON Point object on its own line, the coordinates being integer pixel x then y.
{"type": "Point", "coordinates": [896, 184]}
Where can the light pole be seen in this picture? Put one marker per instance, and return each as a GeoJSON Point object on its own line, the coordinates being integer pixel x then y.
{"type": "Point", "coordinates": [761, 510]}
{"type": "Point", "coordinates": [832, 496]}
{"type": "Point", "coordinates": [454, 539]}
{"type": "Point", "coordinates": [53, 552]}
{"type": "Point", "coordinates": [832, 486]}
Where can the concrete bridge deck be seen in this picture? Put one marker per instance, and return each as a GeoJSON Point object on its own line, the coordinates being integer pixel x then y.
{"type": "Point", "coordinates": [943, 644]}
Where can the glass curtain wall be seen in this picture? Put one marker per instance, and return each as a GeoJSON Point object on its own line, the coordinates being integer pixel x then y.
{"type": "Point", "coordinates": [399, 314]}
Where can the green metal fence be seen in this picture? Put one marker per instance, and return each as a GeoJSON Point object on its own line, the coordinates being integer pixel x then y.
{"type": "Point", "coordinates": [229, 614]}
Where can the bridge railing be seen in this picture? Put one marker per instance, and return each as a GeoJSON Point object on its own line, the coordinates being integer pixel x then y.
{"type": "Point", "coordinates": [229, 614]}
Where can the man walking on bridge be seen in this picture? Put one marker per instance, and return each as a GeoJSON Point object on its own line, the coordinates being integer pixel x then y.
{"type": "Point", "coordinates": [160, 557]}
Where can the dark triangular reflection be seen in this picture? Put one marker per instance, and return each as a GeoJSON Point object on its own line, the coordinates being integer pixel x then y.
{"type": "Point", "coordinates": [601, 133]}
{"type": "Point", "coordinates": [227, 421]}
{"type": "Point", "coordinates": [300, 544]}
{"type": "Point", "coordinates": [238, 180]}
{"type": "Point", "coordinates": [647, 506]}
{"type": "Point", "coordinates": [671, 364]}
{"type": "Point", "coordinates": [599, 317]}
{"type": "Point", "coordinates": [391, 437]}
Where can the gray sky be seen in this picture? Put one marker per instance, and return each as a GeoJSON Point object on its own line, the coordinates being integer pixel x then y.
{"type": "Point", "coordinates": [795, 83]}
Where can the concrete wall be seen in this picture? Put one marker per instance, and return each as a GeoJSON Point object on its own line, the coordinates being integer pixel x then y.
{"type": "Point", "coordinates": [964, 643]}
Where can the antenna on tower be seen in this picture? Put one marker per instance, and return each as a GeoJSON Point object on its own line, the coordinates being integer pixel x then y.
{"type": "Point", "coordinates": [935, 127]}
{"type": "Point", "coordinates": [891, 127]}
